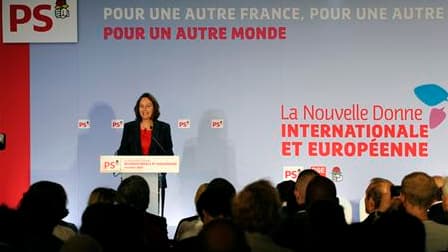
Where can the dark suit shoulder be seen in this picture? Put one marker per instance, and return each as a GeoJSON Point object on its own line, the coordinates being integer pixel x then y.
{"type": "Point", "coordinates": [131, 123]}
{"type": "Point", "coordinates": [155, 218]}
{"type": "Point", "coordinates": [190, 218]}
{"type": "Point", "coordinates": [187, 244]}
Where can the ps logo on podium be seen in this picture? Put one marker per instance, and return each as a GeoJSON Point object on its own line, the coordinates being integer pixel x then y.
{"type": "Point", "coordinates": [110, 164]}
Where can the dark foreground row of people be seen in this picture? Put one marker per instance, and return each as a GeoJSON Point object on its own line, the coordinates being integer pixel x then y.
{"type": "Point", "coordinates": [303, 215]}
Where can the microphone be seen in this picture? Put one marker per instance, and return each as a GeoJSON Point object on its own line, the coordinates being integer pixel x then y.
{"type": "Point", "coordinates": [158, 144]}
{"type": "Point", "coordinates": [162, 176]}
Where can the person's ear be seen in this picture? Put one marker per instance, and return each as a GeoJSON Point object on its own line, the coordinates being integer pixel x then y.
{"type": "Point", "coordinates": [369, 205]}
{"type": "Point", "coordinates": [206, 217]}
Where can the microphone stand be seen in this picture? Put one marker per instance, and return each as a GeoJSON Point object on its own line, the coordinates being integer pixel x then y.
{"type": "Point", "coordinates": [162, 181]}
{"type": "Point", "coordinates": [162, 187]}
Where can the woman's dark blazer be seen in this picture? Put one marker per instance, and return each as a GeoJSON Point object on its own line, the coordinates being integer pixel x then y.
{"type": "Point", "coordinates": [161, 143]}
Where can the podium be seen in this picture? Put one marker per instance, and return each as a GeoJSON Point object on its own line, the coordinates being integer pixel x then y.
{"type": "Point", "coordinates": [152, 168]}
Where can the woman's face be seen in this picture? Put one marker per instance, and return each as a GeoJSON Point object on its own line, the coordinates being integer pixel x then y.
{"type": "Point", "coordinates": [146, 108]}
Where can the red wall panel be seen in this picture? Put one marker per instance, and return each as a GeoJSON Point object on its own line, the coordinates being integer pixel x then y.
{"type": "Point", "coordinates": [14, 120]}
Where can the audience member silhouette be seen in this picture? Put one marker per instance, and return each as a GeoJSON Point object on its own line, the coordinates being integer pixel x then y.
{"type": "Point", "coordinates": [214, 203]}
{"type": "Point", "coordinates": [134, 191]}
{"type": "Point", "coordinates": [377, 199]}
{"type": "Point", "coordinates": [222, 235]}
{"type": "Point", "coordinates": [445, 200]}
{"type": "Point", "coordinates": [216, 200]}
{"type": "Point", "coordinates": [41, 208]}
{"type": "Point", "coordinates": [418, 192]}
{"type": "Point", "coordinates": [102, 195]}
{"type": "Point", "coordinates": [286, 192]}
{"type": "Point", "coordinates": [10, 229]}
{"type": "Point", "coordinates": [435, 211]}
{"type": "Point", "coordinates": [326, 220]}
{"type": "Point", "coordinates": [65, 230]}
{"type": "Point", "coordinates": [100, 223]}
{"type": "Point", "coordinates": [302, 181]}
{"type": "Point", "coordinates": [400, 231]}
{"type": "Point", "coordinates": [292, 228]}
{"type": "Point", "coordinates": [256, 210]}
{"type": "Point", "coordinates": [190, 226]}
{"type": "Point", "coordinates": [81, 243]}
{"type": "Point", "coordinates": [116, 227]}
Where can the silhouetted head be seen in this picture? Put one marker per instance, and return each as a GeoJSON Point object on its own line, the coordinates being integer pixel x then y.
{"type": "Point", "coordinates": [216, 200]}
{"type": "Point", "coordinates": [102, 195]}
{"type": "Point", "coordinates": [134, 191]}
{"type": "Point", "coordinates": [222, 235]}
{"type": "Point", "coordinates": [44, 205]}
{"type": "Point", "coordinates": [320, 188]}
{"type": "Point", "coordinates": [256, 207]}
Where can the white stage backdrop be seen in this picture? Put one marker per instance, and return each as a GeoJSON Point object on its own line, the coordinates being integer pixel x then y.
{"type": "Point", "coordinates": [252, 89]}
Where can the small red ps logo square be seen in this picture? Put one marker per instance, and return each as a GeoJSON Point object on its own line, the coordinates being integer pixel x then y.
{"type": "Point", "coordinates": [217, 124]}
{"type": "Point", "coordinates": [183, 124]}
{"type": "Point", "coordinates": [83, 124]}
{"type": "Point", "coordinates": [117, 124]}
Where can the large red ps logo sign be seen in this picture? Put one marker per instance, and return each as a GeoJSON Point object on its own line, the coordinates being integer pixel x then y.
{"type": "Point", "coordinates": [35, 21]}
{"type": "Point", "coordinates": [39, 16]}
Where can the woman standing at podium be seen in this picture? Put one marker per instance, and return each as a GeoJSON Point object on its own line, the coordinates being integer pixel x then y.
{"type": "Point", "coordinates": [146, 135]}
